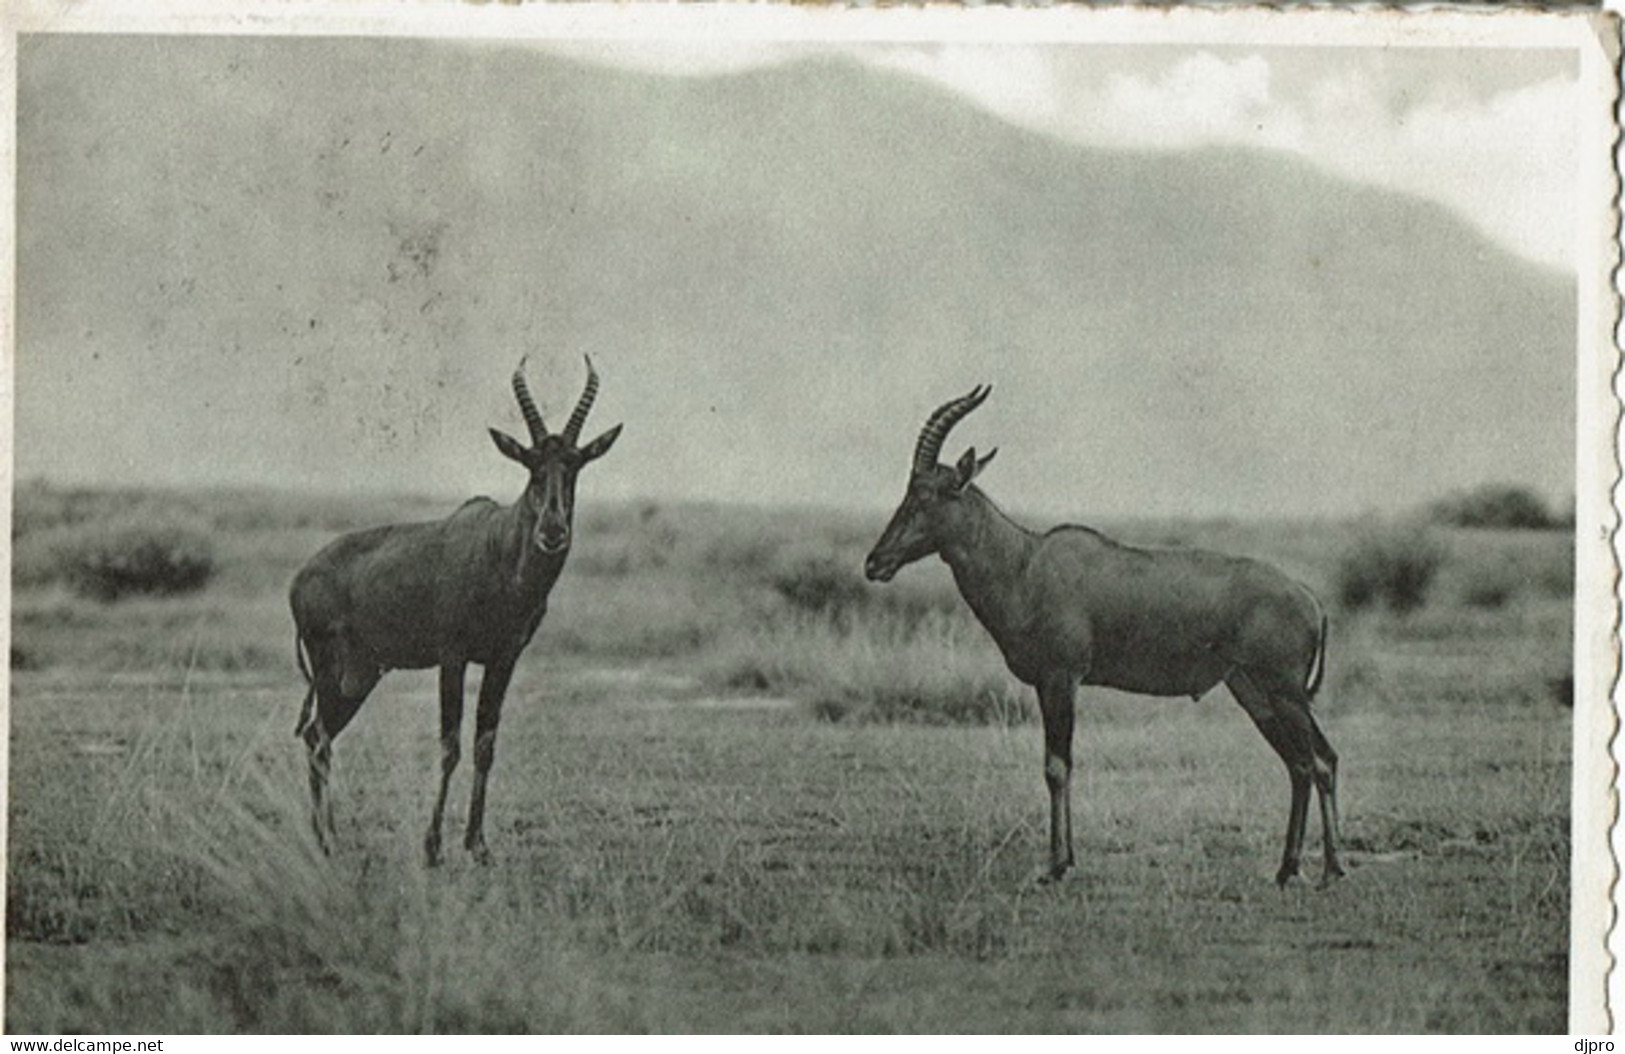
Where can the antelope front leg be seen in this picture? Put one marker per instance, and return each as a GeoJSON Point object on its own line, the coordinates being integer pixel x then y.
{"type": "Point", "coordinates": [1057, 700]}
{"type": "Point", "coordinates": [493, 686]}
{"type": "Point", "coordinates": [451, 723]}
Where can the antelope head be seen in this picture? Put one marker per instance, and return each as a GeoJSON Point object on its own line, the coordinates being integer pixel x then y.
{"type": "Point", "coordinates": [931, 506]}
{"type": "Point", "coordinates": [553, 460]}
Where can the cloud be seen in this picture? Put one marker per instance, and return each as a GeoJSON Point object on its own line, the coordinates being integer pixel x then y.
{"type": "Point", "coordinates": [1505, 160]}
{"type": "Point", "coordinates": [1508, 163]}
{"type": "Point", "coordinates": [1019, 83]}
{"type": "Point", "coordinates": [1201, 98]}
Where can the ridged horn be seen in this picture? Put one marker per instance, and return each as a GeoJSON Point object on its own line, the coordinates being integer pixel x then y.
{"type": "Point", "coordinates": [527, 405]}
{"type": "Point", "coordinates": [941, 421]}
{"type": "Point", "coordinates": [572, 431]}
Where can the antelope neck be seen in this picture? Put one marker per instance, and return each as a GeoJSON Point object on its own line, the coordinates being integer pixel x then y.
{"type": "Point", "coordinates": [988, 554]}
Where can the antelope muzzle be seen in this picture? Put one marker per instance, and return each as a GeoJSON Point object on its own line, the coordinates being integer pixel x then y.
{"type": "Point", "coordinates": [881, 567]}
{"type": "Point", "coordinates": [553, 538]}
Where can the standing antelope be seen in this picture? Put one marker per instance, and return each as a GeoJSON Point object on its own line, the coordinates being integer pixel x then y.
{"type": "Point", "coordinates": [471, 588]}
{"type": "Point", "coordinates": [1072, 607]}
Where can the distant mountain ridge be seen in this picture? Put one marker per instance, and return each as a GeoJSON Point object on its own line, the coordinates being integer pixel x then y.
{"type": "Point", "coordinates": [779, 271]}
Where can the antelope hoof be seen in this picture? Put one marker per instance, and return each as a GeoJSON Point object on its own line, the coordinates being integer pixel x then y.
{"type": "Point", "coordinates": [482, 855]}
{"type": "Point", "coordinates": [1331, 874]}
{"type": "Point", "coordinates": [431, 851]}
{"type": "Point", "coordinates": [1053, 875]}
{"type": "Point", "coordinates": [1288, 877]}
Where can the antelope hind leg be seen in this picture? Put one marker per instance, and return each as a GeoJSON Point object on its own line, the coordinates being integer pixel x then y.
{"type": "Point", "coordinates": [334, 712]}
{"type": "Point", "coordinates": [319, 757]}
{"type": "Point", "coordinates": [1284, 725]}
{"type": "Point", "coordinates": [1325, 773]}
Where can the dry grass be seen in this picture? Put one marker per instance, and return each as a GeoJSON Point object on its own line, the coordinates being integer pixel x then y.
{"type": "Point", "coordinates": [671, 867]}
{"type": "Point", "coordinates": [679, 850]}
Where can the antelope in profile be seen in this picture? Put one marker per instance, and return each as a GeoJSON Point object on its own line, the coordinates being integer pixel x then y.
{"type": "Point", "coordinates": [471, 588]}
{"type": "Point", "coordinates": [1071, 607]}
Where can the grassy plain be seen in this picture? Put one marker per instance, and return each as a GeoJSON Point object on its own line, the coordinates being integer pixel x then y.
{"type": "Point", "coordinates": [738, 789]}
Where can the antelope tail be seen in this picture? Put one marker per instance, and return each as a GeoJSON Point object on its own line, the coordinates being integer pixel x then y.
{"type": "Point", "coordinates": [1317, 665]}
{"type": "Point", "coordinates": [307, 710]}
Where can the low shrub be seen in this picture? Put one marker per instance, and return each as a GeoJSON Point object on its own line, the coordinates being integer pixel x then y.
{"type": "Point", "coordinates": [1491, 570]}
{"type": "Point", "coordinates": [1489, 586]}
{"type": "Point", "coordinates": [875, 669]}
{"type": "Point", "coordinates": [1393, 566]}
{"type": "Point", "coordinates": [119, 558]}
{"type": "Point", "coordinates": [820, 584]}
{"type": "Point", "coordinates": [832, 586]}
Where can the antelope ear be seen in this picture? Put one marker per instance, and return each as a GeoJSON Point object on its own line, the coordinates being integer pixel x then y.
{"type": "Point", "coordinates": [510, 447]}
{"type": "Point", "coordinates": [600, 446]}
{"type": "Point", "coordinates": [969, 466]}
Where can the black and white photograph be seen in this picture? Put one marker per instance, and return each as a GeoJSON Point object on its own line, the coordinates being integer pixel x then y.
{"type": "Point", "coordinates": [755, 519]}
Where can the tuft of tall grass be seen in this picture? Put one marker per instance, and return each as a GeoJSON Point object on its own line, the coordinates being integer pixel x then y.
{"type": "Point", "coordinates": [208, 840]}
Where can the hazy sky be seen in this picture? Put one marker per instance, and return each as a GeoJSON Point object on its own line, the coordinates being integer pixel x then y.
{"type": "Point", "coordinates": [313, 262]}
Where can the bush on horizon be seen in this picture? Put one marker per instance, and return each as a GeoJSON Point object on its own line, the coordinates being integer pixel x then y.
{"type": "Point", "coordinates": [131, 556]}
{"type": "Point", "coordinates": [1498, 505]}
{"type": "Point", "coordinates": [1394, 566]}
